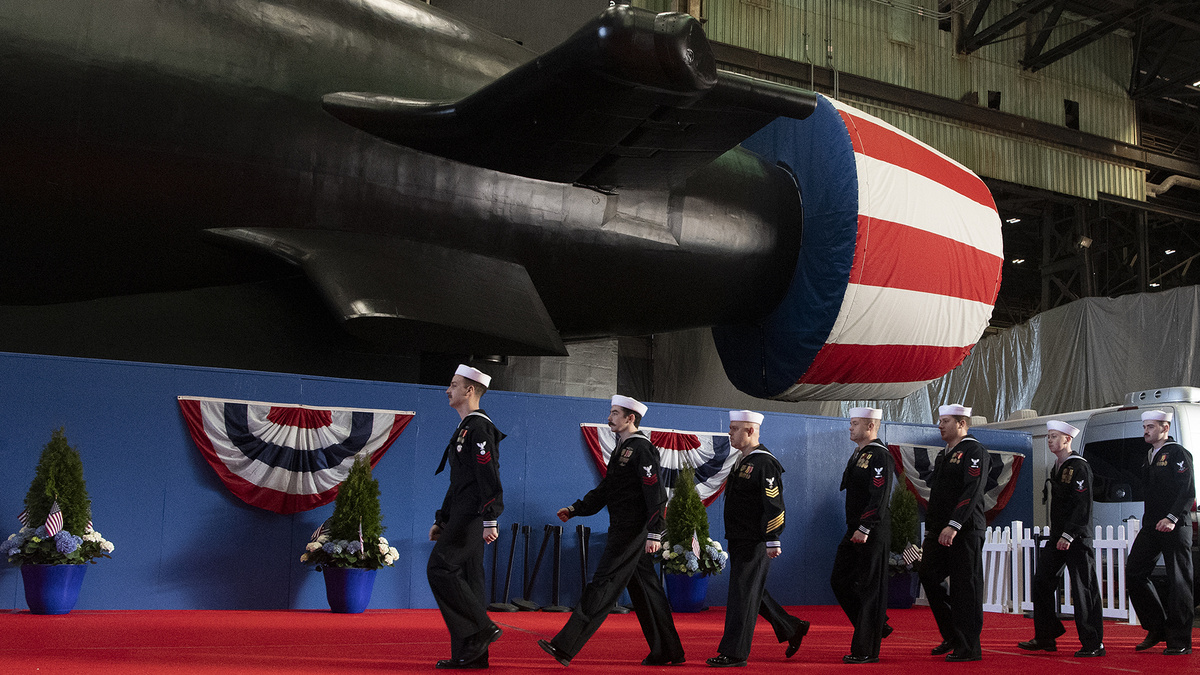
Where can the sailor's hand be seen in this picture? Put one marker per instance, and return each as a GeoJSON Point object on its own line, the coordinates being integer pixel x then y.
{"type": "Point", "coordinates": [858, 537]}
{"type": "Point", "coordinates": [434, 532]}
{"type": "Point", "coordinates": [490, 534]}
{"type": "Point", "coordinates": [653, 545]}
{"type": "Point", "coordinates": [946, 538]}
{"type": "Point", "coordinates": [1165, 525]}
{"type": "Point", "coordinates": [564, 514]}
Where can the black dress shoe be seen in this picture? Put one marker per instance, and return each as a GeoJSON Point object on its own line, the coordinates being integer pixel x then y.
{"type": "Point", "coordinates": [1039, 645]}
{"type": "Point", "coordinates": [943, 648]}
{"type": "Point", "coordinates": [555, 652]}
{"type": "Point", "coordinates": [960, 656]}
{"type": "Point", "coordinates": [722, 661]}
{"type": "Point", "coordinates": [1085, 653]}
{"type": "Point", "coordinates": [850, 658]}
{"type": "Point", "coordinates": [1177, 651]}
{"type": "Point", "coordinates": [796, 639]}
{"type": "Point", "coordinates": [887, 630]}
{"type": "Point", "coordinates": [653, 660]}
{"type": "Point", "coordinates": [1151, 640]}
{"type": "Point", "coordinates": [459, 664]}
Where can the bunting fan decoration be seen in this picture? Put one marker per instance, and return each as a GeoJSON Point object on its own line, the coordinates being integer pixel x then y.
{"type": "Point", "coordinates": [708, 453]}
{"type": "Point", "coordinates": [287, 458]}
{"type": "Point", "coordinates": [915, 464]}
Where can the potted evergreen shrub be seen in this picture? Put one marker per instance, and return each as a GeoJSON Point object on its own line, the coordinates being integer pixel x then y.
{"type": "Point", "coordinates": [349, 547]}
{"type": "Point", "coordinates": [902, 578]}
{"type": "Point", "coordinates": [688, 555]}
{"type": "Point", "coordinates": [57, 537]}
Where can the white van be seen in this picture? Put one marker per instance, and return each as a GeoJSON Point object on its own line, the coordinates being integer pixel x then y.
{"type": "Point", "coordinates": [1113, 446]}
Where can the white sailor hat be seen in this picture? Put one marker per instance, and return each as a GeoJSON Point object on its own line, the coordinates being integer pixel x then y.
{"type": "Point", "coordinates": [745, 416]}
{"type": "Point", "coordinates": [1157, 415]}
{"type": "Point", "coordinates": [1055, 425]}
{"type": "Point", "coordinates": [954, 409]}
{"type": "Point", "coordinates": [867, 413]}
{"type": "Point", "coordinates": [630, 404]}
{"type": "Point", "coordinates": [473, 374]}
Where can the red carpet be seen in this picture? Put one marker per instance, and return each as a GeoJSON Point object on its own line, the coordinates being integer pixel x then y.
{"type": "Point", "coordinates": [412, 640]}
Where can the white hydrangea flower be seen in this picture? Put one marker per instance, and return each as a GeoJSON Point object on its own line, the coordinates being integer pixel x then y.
{"type": "Point", "coordinates": [667, 555]}
{"type": "Point", "coordinates": [382, 540]}
{"type": "Point", "coordinates": [303, 557]}
{"type": "Point", "coordinates": [383, 549]}
{"type": "Point", "coordinates": [92, 536]}
{"type": "Point", "coordinates": [106, 546]}
{"type": "Point", "coordinates": [393, 553]}
{"type": "Point", "coordinates": [312, 546]}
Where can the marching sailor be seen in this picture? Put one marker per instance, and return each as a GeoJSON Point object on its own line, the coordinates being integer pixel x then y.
{"type": "Point", "coordinates": [1070, 492]}
{"type": "Point", "coordinates": [954, 528]}
{"type": "Point", "coordinates": [1166, 529]}
{"type": "Point", "coordinates": [635, 497]}
{"type": "Point", "coordinates": [753, 522]}
{"type": "Point", "coordinates": [466, 522]}
{"type": "Point", "coordinates": [860, 568]}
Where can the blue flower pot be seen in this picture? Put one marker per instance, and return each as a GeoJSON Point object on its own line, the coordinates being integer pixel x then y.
{"type": "Point", "coordinates": [686, 593]}
{"type": "Point", "coordinates": [52, 589]}
{"type": "Point", "coordinates": [902, 590]}
{"type": "Point", "coordinates": [348, 589]}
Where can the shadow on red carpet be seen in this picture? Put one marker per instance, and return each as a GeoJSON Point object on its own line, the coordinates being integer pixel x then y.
{"type": "Point", "coordinates": [391, 641]}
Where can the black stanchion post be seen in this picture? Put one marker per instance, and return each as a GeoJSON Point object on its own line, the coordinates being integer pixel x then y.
{"type": "Point", "coordinates": [526, 603]}
{"type": "Point", "coordinates": [554, 598]}
{"type": "Point", "coordinates": [504, 606]}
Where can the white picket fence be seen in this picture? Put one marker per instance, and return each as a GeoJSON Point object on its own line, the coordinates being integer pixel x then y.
{"type": "Point", "coordinates": [1008, 563]}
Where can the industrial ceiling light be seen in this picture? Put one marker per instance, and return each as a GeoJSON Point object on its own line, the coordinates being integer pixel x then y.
{"type": "Point", "coordinates": [1013, 221]}
{"type": "Point", "coordinates": [1084, 242]}
{"type": "Point", "coordinates": [1169, 251]}
{"type": "Point", "coordinates": [1154, 285]}
{"type": "Point", "coordinates": [1018, 261]}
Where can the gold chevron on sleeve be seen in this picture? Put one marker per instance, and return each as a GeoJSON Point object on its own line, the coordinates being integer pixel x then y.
{"type": "Point", "coordinates": [772, 492]}
{"type": "Point", "coordinates": [776, 523]}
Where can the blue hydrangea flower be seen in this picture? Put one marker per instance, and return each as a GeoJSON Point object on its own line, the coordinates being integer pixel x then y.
{"type": "Point", "coordinates": [332, 547]}
{"type": "Point", "coordinates": [66, 542]}
{"type": "Point", "coordinates": [677, 548]}
{"type": "Point", "coordinates": [692, 564]}
{"type": "Point", "coordinates": [354, 547]}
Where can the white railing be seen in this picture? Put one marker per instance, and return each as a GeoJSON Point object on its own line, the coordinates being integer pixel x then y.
{"type": "Point", "coordinates": [1009, 560]}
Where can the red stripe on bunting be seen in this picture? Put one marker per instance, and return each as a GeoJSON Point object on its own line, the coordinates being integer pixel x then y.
{"type": "Point", "coordinates": [898, 462]}
{"type": "Point", "coordinates": [266, 498]}
{"type": "Point", "coordinates": [881, 143]}
{"type": "Point", "coordinates": [850, 364]}
{"type": "Point", "coordinates": [1006, 492]}
{"type": "Point", "coordinates": [962, 271]}
{"type": "Point", "coordinates": [301, 418]}
{"type": "Point", "coordinates": [591, 438]}
{"type": "Point", "coordinates": [671, 440]}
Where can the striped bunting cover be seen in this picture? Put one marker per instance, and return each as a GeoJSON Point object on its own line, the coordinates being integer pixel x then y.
{"type": "Point", "coordinates": [287, 458]}
{"type": "Point", "coordinates": [709, 453]}
{"type": "Point", "coordinates": [915, 463]}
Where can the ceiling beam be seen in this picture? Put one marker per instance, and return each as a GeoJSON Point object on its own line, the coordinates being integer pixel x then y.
{"type": "Point", "coordinates": [1003, 25]}
{"type": "Point", "coordinates": [1087, 37]}
{"type": "Point", "coordinates": [1035, 48]}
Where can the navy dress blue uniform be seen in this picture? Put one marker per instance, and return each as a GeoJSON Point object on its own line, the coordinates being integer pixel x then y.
{"type": "Point", "coordinates": [956, 500]}
{"type": "Point", "coordinates": [474, 500]}
{"type": "Point", "coordinates": [1170, 491]}
{"type": "Point", "coordinates": [754, 516]}
{"type": "Point", "coordinates": [1070, 519]}
{"type": "Point", "coordinates": [860, 576]}
{"type": "Point", "coordinates": [635, 497]}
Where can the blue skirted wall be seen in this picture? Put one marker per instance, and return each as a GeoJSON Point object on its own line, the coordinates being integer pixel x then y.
{"type": "Point", "coordinates": [184, 542]}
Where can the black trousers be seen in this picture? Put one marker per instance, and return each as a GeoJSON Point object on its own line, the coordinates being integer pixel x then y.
{"type": "Point", "coordinates": [1080, 560]}
{"type": "Point", "coordinates": [749, 599]}
{"type": "Point", "coordinates": [1174, 621]}
{"type": "Point", "coordinates": [624, 564]}
{"type": "Point", "coordinates": [958, 609]}
{"type": "Point", "coordinates": [455, 572]}
{"type": "Point", "coordinates": [859, 582]}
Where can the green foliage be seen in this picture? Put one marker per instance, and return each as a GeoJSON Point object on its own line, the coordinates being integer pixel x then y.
{"type": "Point", "coordinates": [905, 520]}
{"type": "Point", "coordinates": [357, 505]}
{"type": "Point", "coordinates": [687, 517]}
{"type": "Point", "coordinates": [59, 478]}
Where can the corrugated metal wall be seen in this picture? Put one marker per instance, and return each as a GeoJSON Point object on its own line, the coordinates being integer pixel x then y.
{"type": "Point", "coordinates": [874, 40]}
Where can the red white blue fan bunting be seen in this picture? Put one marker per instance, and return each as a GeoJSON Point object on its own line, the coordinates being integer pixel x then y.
{"type": "Point", "coordinates": [708, 453]}
{"type": "Point", "coordinates": [287, 458]}
{"type": "Point", "coordinates": [915, 464]}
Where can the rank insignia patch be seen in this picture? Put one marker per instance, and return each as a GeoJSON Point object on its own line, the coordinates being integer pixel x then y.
{"type": "Point", "coordinates": [974, 469]}
{"type": "Point", "coordinates": [650, 478]}
{"type": "Point", "coordinates": [1182, 466]}
{"type": "Point", "coordinates": [772, 490]}
{"type": "Point", "coordinates": [484, 456]}
{"type": "Point", "coordinates": [878, 480]}
{"type": "Point", "coordinates": [1079, 486]}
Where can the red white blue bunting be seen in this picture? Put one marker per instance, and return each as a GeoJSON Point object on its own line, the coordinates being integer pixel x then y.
{"type": "Point", "coordinates": [915, 464]}
{"type": "Point", "coordinates": [708, 453]}
{"type": "Point", "coordinates": [287, 458]}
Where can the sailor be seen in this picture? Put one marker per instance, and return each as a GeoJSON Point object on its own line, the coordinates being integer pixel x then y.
{"type": "Point", "coordinates": [1070, 493]}
{"type": "Point", "coordinates": [635, 498]}
{"type": "Point", "coordinates": [466, 522]}
{"type": "Point", "coordinates": [753, 522]}
{"type": "Point", "coordinates": [860, 568]}
{"type": "Point", "coordinates": [954, 528]}
{"type": "Point", "coordinates": [1170, 489]}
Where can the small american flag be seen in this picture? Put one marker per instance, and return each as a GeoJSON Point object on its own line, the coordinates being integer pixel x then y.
{"type": "Point", "coordinates": [911, 554]}
{"type": "Point", "coordinates": [360, 541]}
{"type": "Point", "coordinates": [54, 521]}
{"type": "Point", "coordinates": [89, 527]}
{"type": "Point", "coordinates": [695, 544]}
{"type": "Point", "coordinates": [24, 518]}
{"type": "Point", "coordinates": [320, 530]}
